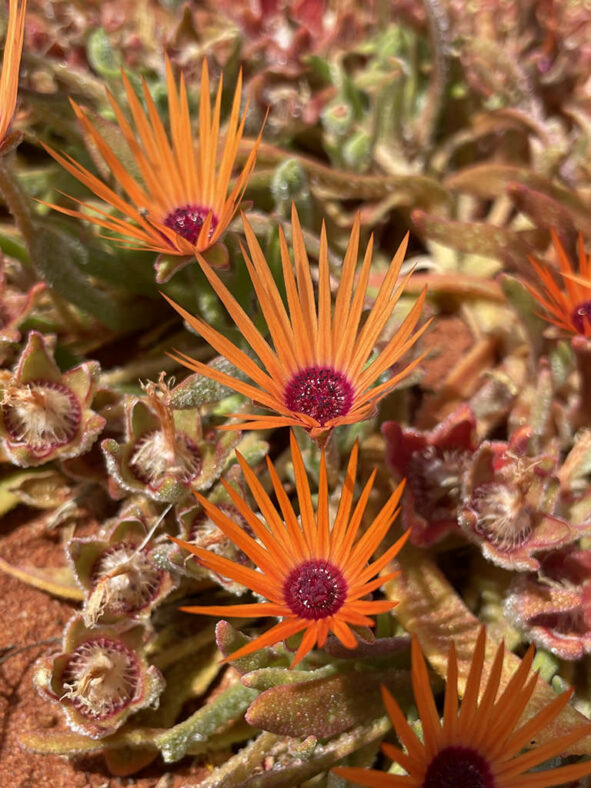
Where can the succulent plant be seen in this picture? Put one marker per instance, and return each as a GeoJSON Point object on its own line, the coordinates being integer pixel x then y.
{"type": "Point", "coordinates": [263, 483]}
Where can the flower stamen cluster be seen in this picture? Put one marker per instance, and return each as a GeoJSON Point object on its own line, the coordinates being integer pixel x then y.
{"type": "Point", "coordinates": [101, 678]}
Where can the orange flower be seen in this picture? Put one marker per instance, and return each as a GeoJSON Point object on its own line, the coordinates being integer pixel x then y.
{"type": "Point", "coordinates": [569, 308]}
{"type": "Point", "coordinates": [13, 48]}
{"type": "Point", "coordinates": [183, 205]}
{"type": "Point", "coordinates": [319, 373]}
{"type": "Point", "coordinates": [314, 576]}
{"type": "Point", "coordinates": [480, 746]}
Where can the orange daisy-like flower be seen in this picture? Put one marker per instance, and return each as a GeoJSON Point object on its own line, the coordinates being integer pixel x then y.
{"type": "Point", "coordinates": [479, 745]}
{"type": "Point", "coordinates": [568, 307]}
{"type": "Point", "coordinates": [319, 374]}
{"type": "Point", "coordinates": [314, 576]}
{"type": "Point", "coordinates": [11, 63]}
{"type": "Point", "coordinates": [183, 205]}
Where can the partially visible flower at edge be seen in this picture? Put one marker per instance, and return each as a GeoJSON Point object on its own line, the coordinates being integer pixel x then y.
{"type": "Point", "coordinates": [568, 308]}
{"type": "Point", "coordinates": [13, 49]}
{"type": "Point", "coordinates": [477, 745]}
{"type": "Point", "coordinates": [317, 375]}
{"type": "Point", "coordinates": [183, 206]}
{"type": "Point", "coordinates": [314, 577]}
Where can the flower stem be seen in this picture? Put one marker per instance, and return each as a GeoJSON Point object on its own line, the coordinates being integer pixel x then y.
{"type": "Point", "coordinates": [18, 205]}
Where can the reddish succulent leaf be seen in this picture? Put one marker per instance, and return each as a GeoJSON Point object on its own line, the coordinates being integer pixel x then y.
{"type": "Point", "coordinates": [325, 707]}
{"type": "Point", "coordinates": [124, 761]}
{"type": "Point", "coordinates": [545, 211]}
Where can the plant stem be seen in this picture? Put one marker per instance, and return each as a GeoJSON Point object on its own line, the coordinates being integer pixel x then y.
{"type": "Point", "coordinates": [18, 205]}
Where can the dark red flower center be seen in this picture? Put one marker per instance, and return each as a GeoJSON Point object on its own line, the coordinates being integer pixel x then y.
{"type": "Point", "coordinates": [315, 589]}
{"type": "Point", "coordinates": [320, 392]}
{"type": "Point", "coordinates": [458, 767]}
{"type": "Point", "coordinates": [188, 221]}
{"type": "Point", "coordinates": [582, 315]}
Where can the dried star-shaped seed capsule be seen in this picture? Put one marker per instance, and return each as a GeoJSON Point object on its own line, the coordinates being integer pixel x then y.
{"type": "Point", "coordinates": [100, 678]}
{"type": "Point", "coordinates": [509, 503]}
{"type": "Point", "coordinates": [554, 608]}
{"type": "Point", "coordinates": [165, 454]}
{"type": "Point", "coordinates": [117, 573]}
{"type": "Point", "coordinates": [45, 414]}
{"type": "Point", "coordinates": [433, 464]}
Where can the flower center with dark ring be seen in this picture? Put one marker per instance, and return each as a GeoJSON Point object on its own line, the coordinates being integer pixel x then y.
{"type": "Point", "coordinates": [315, 589]}
{"type": "Point", "coordinates": [320, 392]}
{"type": "Point", "coordinates": [459, 767]}
{"type": "Point", "coordinates": [188, 221]}
{"type": "Point", "coordinates": [581, 316]}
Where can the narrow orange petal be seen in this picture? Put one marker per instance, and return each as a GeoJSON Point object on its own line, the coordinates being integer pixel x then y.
{"type": "Point", "coordinates": [256, 581]}
{"type": "Point", "coordinates": [405, 733]}
{"type": "Point", "coordinates": [307, 644]}
{"type": "Point", "coordinates": [342, 516]}
{"type": "Point", "coordinates": [424, 700]}
{"type": "Point", "coordinates": [281, 631]}
{"type": "Point", "coordinates": [11, 60]}
{"type": "Point", "coordinates": [342, 550]}
{"type": "Point", "coordinates": [472, 689]}
{"type": "Point", "coordinates": [307, 517]}
{"type": "Point", "coordinates": [256, 609]}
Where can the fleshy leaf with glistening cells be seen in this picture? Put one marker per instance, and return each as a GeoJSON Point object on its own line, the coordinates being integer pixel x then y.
{"type": "Point", "coordinates": [268, 762]}
{"type": "Point", "coordinates": [326, 707]}
{"type": "Point", "coordinates": [217, 714]}
{"type": "Point", "coordinates": [230, 640]}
